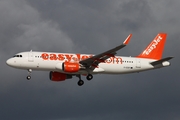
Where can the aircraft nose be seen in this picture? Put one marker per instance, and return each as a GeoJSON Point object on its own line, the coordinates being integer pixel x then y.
{"type": "Point", "coordinates": [9, 62]}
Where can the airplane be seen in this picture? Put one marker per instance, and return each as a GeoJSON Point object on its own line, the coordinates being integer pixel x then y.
{"type": "Point", "coordinates": [64, 66]}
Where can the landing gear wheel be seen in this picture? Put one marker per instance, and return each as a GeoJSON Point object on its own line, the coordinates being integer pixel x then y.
{"type": "Point", "coordinates": [89, 77]}
{"type": "Point", "coordinates": [28, 77]}
{"type": "Point", "coordinates": [29, 74]}
{"type": "Point", "coordinates": [80, 82]}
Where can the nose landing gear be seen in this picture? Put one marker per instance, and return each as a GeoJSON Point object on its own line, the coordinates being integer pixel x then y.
{"type": "Point", "coordinates": [28, 77]}
{"type": "Point", "coordinates": [29, 74]}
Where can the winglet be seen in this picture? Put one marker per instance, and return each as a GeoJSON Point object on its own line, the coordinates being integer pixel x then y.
{"type": "Point", "coordinates": [127, 39]}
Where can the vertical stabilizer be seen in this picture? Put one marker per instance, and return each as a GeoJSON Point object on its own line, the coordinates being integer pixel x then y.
{"type": "Point", "coordinates": [155, 49]}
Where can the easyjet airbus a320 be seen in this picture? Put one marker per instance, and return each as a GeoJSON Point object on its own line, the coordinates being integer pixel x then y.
{"type": "Point", "coordinates": [64, 66]}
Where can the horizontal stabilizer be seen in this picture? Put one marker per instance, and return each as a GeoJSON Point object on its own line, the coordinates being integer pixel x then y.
{"type": "Point", "coordinates": [160, 62]}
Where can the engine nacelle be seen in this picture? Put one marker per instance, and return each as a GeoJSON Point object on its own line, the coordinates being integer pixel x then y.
{"type": "Point", "coordinates": [70, 67]}
{"type": "Point", "coordinates": [57, 76]}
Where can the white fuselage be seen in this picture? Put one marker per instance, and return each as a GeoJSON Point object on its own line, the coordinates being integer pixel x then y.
{"type": "Point", "coordinates": [47, 61]}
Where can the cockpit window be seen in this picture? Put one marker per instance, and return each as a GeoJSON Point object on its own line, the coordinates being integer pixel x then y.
{"type": "Point", "coordinates": [17, 56]}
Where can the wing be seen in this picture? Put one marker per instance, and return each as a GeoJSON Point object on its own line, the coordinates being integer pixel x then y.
{"type": "Point", "coordinates": [95, 60]}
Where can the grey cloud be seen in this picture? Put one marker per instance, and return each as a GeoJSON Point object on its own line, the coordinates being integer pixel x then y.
{"type": "Point", "coordinates": [46, 35]}
{"type": "Point", "coordinates": [109, 22]}
{"type": "Point", "coordinates": [22, 24]}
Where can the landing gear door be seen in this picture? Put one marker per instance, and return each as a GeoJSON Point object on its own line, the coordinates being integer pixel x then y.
{"type": "Point", "coordinates": [30, 56]}
{"type": "Point", "coordinates": [138, 63]}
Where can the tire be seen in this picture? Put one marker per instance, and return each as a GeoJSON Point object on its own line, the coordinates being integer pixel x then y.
{"type": "Point", "coordinates": [28, 77]}
{"type": "Point", "coordinates": [89, 77]}
{"type": "Point", "coordinates": [80, 82]}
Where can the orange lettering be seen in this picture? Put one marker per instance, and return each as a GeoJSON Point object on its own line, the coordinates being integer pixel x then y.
{"type": "Point", "coordinates": [78, 57]}
{"type": "Point", "coordinates": [45, 56]}
{"type": "Point", "coordinates": [84, 57]}
{"type": "Point", "coordinates": [90, 56]}
{"type": "Point", "coordinates": [118, 60]}
{"type": "Point", "coordinates": [75, 59]}
{"type": "Point", "coordinates": [113, 59]}
{"type": "Point", "coordinates": [53, 57]}
{"type": "Point", "coordinates": [60, 57]}
{"type": "Point", "coordinates": [109, 60]}
{"type": "Point", "coordinates": [68, 57]}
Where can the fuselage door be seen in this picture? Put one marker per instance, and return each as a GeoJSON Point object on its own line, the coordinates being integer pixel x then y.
{"type": "Point", "coordinates": [30, 56]}
{"type": "Point", "coordinates": [138, 63]}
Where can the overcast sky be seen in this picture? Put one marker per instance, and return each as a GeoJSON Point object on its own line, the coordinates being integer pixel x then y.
{"type": "Point", "coordinates": [89, 26]}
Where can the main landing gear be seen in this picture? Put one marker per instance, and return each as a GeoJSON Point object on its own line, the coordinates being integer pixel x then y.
{"type": "Point", "coordinates": [29, 74]}
{"type": "Point", "coordinates": [89, 77]}
{"type": "Point", "coordinates": [81, 82]}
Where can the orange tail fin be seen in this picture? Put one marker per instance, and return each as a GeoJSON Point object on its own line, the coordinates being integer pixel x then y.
{"type": "Point", "coordinates": [155, 49]}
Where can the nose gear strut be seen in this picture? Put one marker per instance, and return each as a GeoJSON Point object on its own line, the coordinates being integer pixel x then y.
{"type": "Point", "coordinates": [29, 74]}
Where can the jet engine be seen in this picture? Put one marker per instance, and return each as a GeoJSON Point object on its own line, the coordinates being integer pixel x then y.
{"type": "Point", "coordinates": [57, 76]}
{"type": "Point", "coordinates": [70, 67]}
